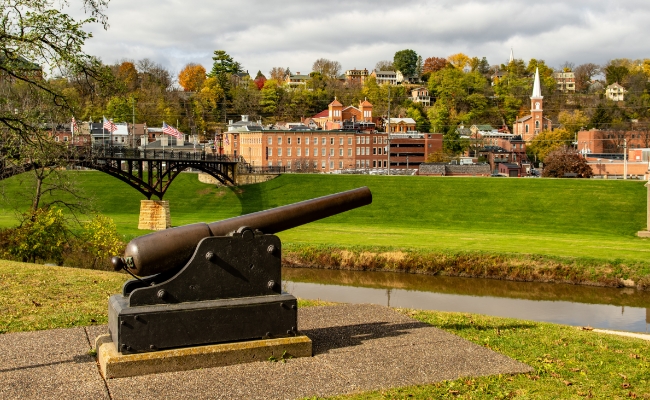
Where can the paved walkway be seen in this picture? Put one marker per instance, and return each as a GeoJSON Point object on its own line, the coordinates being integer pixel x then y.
{"type": "Point", "coordinates": [356, 348]}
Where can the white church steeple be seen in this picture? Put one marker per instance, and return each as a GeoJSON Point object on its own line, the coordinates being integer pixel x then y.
{"type": "Point", "coordinates": [512, 56]}
{"type": "Point", "coordinates": [537, 88]}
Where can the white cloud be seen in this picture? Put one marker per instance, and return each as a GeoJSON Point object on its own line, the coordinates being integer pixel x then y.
{"type": "Point", "coordinates": [289, 33]}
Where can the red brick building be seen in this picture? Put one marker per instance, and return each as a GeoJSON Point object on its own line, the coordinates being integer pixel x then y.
{"type": "Point", "coordinates": [531, 125]}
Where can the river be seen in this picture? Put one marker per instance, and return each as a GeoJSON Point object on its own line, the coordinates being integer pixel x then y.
{"type": "Point", "coordinates": [606, 308]}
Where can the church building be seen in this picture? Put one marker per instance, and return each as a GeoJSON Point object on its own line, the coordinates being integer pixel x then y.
{"type": "Point", "coordinates": [531, 125]}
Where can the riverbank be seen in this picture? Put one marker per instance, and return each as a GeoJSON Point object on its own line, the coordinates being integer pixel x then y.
{"type": "Point", "coordinates": [567, 362]}
{"type": "Point", "coordinates": [514, 267]}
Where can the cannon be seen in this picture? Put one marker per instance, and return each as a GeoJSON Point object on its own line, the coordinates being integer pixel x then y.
{"type": "Point", "coordinates": [213, 283]}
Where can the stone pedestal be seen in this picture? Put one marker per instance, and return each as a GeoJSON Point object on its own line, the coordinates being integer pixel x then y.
{"type": "Point", "coordinates": [646, 233]}
{"type": "Point", "coordinates": [154, 215]}
{"type": "Point", "coordinates": [117, 365]}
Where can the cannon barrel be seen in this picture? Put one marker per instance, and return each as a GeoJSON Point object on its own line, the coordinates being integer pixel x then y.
{"type": "Point", "coordinates": [161, 251]}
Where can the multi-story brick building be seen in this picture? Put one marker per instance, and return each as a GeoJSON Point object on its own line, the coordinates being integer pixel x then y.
{"type": "Point", "coordinates": [356, 76]}
{"type": "Point", "coordinates": [330, 150]}
{"type": "Point", "coordinates": [566, 81]}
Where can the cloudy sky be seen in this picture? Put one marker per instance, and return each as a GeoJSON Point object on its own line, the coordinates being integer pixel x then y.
{"type": "Point", "coordinates": [358, 33]}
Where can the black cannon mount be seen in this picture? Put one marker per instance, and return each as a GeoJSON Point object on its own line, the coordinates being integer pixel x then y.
{"type": "Point", "coordinates": [229, 291]}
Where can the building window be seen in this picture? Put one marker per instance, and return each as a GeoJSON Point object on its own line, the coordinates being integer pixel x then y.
{"type": "Point", "coordinates": [358, 151]}
{"type": "Point", "coordinates": [357, 164]}
{"type": "Point", "coordinates": [269, 151]}
{"type": "Point", "coordinates": [289, 152]}
{"type": "Point", "coordinates": [526, 128]}
{"type": "Point", "coordinates": [374, 150]}
{"type": "Point", "coordinates": [331, 152]}
{"type": "Point", "coordinates": [306, 151]}
{"type": "Point", "coordinates": [363, 140]}
{"type": "Point", "coordinates": [298, 151]}
{"type": "Point", "coordinates": [270, 140]}
{"type": "Point", "coordinates": [279, 163]}
{"type": "Point", "coordinates": [358, 139]}
{"type": "Point", "coordinates": [315, 140]}
{"type": "Point", "coordinates": [322, 152]}
{"type": "Point", "coordinates": [322, 164]}
{"type": "Point", "coordinates": [363, 151]}
{"type": "Point", "coordinates": [350, 140]}
{"type": "Point", "coordinates": [367, 150]}
{"type": "Point", "coordinates": [298, 140]}
{"type": "Point", "coordinates": [340, 141]}
{"type": "Point", "coordinates": [288, 140]}
{"type": "Point", "coordinates": [279, 139]}
{"type": "Point", "coordinates": [306, 141]}
{"type": "Point", "coordinates": [340, 164]}
{"type": "Point", "coordinates": [374, 163]}
{"type": "Point", "coordinates": [270, 163]}
{"type": "Point", "coordinates": [288, 164]}
{"type": "Point", "coordinates": [536, 124]}
{"type": "Point", "coordinates": [332, 141]}
{"type": "Point", "coordinates": [323, 141]}
{"type": "Point", "coordinates": [340, 152]}
{"type": "Point", "coordinates": [315, 164]}
{"type": "Point", "coordinates": [374, 140]}
{"type": "Point", "coordinates": [331, 164]}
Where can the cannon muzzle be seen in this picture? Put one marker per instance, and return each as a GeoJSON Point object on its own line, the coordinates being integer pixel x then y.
{"type": "Point", "coordinates": [161, 251]}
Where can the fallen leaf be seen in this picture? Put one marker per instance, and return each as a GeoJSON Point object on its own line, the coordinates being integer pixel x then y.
{"type": "Point", "coordinates": [587, 328]}
{"type": "Point", "coordinates": [37, 304]}
{"type": "Point", "coordinates": [635, 356]}
{"type": "Point", "coordinates": [625, 385]}
{"type": "Point", "coordinates": [568, 383]}
{"type": "Point", "coordinates": [575, 369]}
{"type": "Point", "coordinates": [454, 392]}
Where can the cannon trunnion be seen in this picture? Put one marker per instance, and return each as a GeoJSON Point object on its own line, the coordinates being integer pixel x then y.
{"type": "Point", "coordinates": [230, 290]}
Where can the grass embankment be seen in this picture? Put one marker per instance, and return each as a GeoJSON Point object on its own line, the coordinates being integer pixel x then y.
{"type": "Point", "coordinates": [36, 297]}
{"type": "Point", "coordinates": [528, 229]}
{"type": "Point", "coordinates": [567, 362]}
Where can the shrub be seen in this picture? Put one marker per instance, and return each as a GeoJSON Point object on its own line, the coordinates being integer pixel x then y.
{"type": "Point", "coordinates": [42, 235]}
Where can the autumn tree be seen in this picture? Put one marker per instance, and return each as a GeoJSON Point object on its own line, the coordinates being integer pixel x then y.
{"type": "Point", "coordinates": [459, 60]}
{"type": "Point", "coordinates": [259, 80]}
{"type": "Point", "coordinates": [405, 61]}
{"type": "Point", "coordinates": [615, 73]}
{"type": "Point", "coordinates": [584, 73]}
{"type": "Point", "coordinates": [573, 121]}
{"type": "Point", "coordinates": [327, 68]}
{"type": "Point", "coordinates": [433, 64]}
{"type": "Point", "coordinates": [278, 74]}
{"type": "Point", "coordinates": [384, 65]}
{"type": "Point", "coordinates": [564, 161]}
{"type": "Point", "coordinates": [38, 39]}
{"type": "Point", "coordinates": [548, 141]}
{"type": "Point", "coordinates": [191, 77]}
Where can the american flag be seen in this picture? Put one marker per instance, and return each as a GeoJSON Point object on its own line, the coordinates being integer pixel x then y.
{"type": "Point", "coordinates": [109, 125]}
{"type": "Point", "coordinates": [74, 127]}
{"type": "Point", "coordinates": [226, 139]}
{"type": "Point", "coordinates": [170, 130]}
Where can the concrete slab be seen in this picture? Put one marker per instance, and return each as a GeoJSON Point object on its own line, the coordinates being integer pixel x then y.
{"type": "Point", "coordinates": [357, 348]}
{"type": "Point", "coordinates": [116, 365]}
{"type": "Point", "coordinates": [49, 364]}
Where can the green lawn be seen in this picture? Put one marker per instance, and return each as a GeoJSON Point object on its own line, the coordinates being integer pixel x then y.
{"type": "Point", "coordinates": [568, 363]}
{"type": "Point", "coordinates": [567, 218]}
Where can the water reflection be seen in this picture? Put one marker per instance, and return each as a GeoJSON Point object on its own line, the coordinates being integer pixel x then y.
{"type": "Point", "coordinates": [606, 308]}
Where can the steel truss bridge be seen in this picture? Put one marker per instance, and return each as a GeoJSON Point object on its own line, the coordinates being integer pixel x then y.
{"type": "Point", "coordinates": [148, 171]}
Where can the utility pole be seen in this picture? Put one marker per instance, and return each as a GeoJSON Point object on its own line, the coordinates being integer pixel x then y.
{"type": "Point", "coordinates": [133, 125]}
{"type": "Point", "coordinates": [388, 130]}
{"type": "Point", "coordinates": [625, 159]}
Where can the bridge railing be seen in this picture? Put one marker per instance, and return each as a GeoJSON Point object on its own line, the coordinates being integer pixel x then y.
{"type": "Point", "coordinates": [158, 154]}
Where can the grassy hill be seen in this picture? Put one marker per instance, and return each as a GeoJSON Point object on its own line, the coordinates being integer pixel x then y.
{"type": "Point", "coordinates": [574, 218]}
